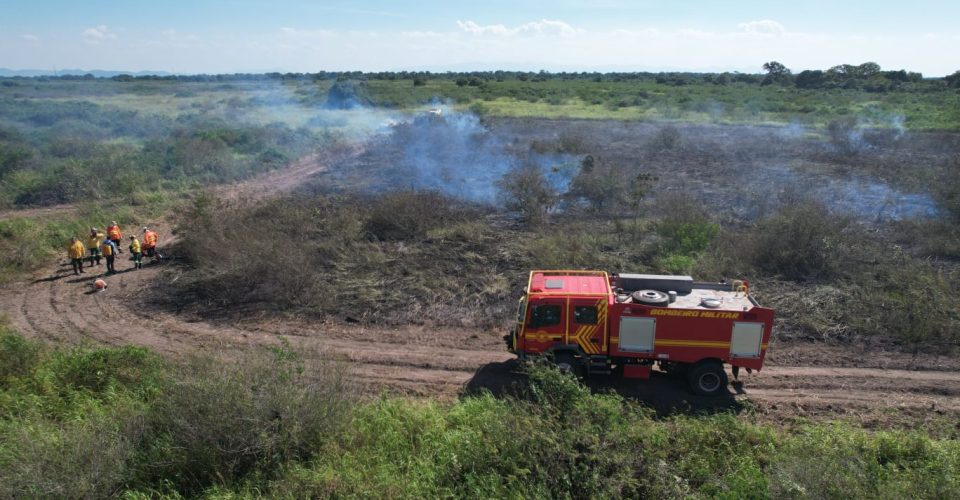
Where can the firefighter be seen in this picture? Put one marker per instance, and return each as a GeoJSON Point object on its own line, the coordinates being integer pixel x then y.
{"type": "Point", "coordinates": [115, 235]}
{"type": "Point", "coordinates": [109, 250]}
{"type": "Point", "coordinates": [93, 245]}
{"type": "Point", "coordinates": [75, 252]}
{"type": "Point", "coordinates": [150, 244]}
{"type": "Point", "coordinates": [136, 251]}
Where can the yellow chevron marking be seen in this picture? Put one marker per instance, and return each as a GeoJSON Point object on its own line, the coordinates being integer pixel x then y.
{"type": "Point", "coordinates": [582, 336]}
{"type": "Point", "coordinates": [602, 321]}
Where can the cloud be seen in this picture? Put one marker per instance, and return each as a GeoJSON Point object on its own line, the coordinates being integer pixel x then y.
{"type": "Point", "coordinates": [30, 38]}
{"type": "Point", "coordinates": [542, 27]}
{"type": "Point", "coordinates": [762, 27]}
{"type": "Point", "coordinates": [363, 12]}
{"type": "Point", "coordinates": [301, 33]}
{"type": "Point", "coordinates": [97, 34]}
{"type": "Point", "coordinates": [421, 34]}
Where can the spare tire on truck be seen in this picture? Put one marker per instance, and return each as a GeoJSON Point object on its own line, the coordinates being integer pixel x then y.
{"type": "Point", "coordinates": [708, 378]}
{"type": "Point", "coordinates": [651, 297]}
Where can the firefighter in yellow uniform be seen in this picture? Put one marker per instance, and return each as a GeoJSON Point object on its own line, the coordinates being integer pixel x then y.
{"type": "Point", "coordinates": [75, 251]}
{"type": "Point", "coordinates": [93, 245]}
{"type": "Point", "coordinates": [109, 250]}
{"type": "Point", "coordinates": [136, 251]}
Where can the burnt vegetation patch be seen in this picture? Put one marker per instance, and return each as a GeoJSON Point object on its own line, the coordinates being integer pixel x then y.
{"type": "Point", "coordinates": [404, 257]}
{"type": "Point", "coordinates": [802, 221]}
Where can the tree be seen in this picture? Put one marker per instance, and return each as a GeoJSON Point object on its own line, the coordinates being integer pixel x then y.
{"type": "Point", "coordinates": [868, 69]}
{"type": "Point", "coordinates": [774, 68]}
{"type": "Point", "coordinates": [810, 79]}
{"type": "Point", "coordinates": [346, 94]}
{"type": "Point", "coordinates": [953, 80]}
{"type": "Point", "coordinates": [776, 73]}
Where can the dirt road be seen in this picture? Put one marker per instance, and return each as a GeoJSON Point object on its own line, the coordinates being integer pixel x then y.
{"type": "Point", "coordinates": [422, 361]}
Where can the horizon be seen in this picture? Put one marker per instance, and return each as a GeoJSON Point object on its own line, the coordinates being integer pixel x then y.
{"type": "Point", "coordinates": [297, 36]}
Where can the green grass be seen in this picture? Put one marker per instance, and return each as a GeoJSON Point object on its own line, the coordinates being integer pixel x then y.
{"type": "Point", "coordinates": [123, 422]}
{"type": "Point", "coordinates": [921, 106]}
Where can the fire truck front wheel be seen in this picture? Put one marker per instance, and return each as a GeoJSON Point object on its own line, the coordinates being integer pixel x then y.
{"type": "Point", "coordinates": [567, 363]}
{"type": "Point", "coordinates": [708, 379]}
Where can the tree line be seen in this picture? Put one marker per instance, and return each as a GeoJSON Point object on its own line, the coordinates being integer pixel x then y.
{"type": "Point", "coordinates": [867, 76]}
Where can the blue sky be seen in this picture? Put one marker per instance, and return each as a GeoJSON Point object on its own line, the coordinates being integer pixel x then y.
{"type": "Point", "coordinates": [243, 35]}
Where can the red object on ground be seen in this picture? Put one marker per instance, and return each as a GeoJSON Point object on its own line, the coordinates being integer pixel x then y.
{"type": "Point", "coordinates": [99, 285]}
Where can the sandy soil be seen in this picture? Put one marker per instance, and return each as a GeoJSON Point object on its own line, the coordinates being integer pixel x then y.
{"type": "Point", "coordinates": [800, 380]}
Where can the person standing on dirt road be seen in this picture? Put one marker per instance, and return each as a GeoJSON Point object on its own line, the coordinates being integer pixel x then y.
{"type": "Point", "coordinates": [115, 235]}
{"type": "Point", "coordinates": [75, 251]}
{"type": "Point", "coordinates": [150, 244]}
{"type": "Point", "coordinates": [136, 251]}
{"type": "Point", "coordinates": [109, 250]}
{"type": "Point", "coordinates": [93, 245]}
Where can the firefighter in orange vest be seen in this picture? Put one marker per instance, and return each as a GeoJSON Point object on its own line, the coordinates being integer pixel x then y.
{"type": "Point", "coordinates": [150, 244]}
{"type": "Point", "coordinates": [75, 252]}
{"type": "Point", "coordinates": [115, 235]}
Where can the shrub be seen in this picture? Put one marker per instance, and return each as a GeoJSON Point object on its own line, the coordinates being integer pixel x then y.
{"type": "Point", "coordinates": [410, 215]}
{"type": "Point", "coordinates": [526, 191]}
{"type": "Point", "coordinates": [84, 458]}
{"type": "Point", "coordinates": [685, 228]}
{"type": "Point", "coordinates": [909, 300]}
{"type": "Point", "coordinates": [18, 356]}
{"type": "Point", "coordinates": [667, 138]}
{"type": "Point", "coordinates": [219, 422]}
{"type": "Point", "coordinates": [676, 264]}
{"type": "Point", "coordinates": [803, 241]}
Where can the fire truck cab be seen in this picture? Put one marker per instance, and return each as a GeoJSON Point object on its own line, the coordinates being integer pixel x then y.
{"type": "Point", "coordinates": [592, 322]}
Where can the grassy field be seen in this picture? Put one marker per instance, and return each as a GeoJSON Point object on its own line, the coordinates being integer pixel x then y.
{"type": "Point", "coordinates": [122, 422]}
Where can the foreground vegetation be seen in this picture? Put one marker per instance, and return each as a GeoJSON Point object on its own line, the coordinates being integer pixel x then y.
{"type": "Point", "coordinates": [109, 422]}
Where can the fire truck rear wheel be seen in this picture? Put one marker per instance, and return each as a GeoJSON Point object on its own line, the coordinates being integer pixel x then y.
{"type": "Point", "coordinates": [708, 379]}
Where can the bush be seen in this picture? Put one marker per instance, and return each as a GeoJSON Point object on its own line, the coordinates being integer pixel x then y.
{"type": "Point", "coordinates": [18, 356]}
{"type": "Point", "coordinates": [410, 215]}
{"type": "Point", "coordinates": [803, 241]}
{"type": "Point", "coordinates": [218, 422]}
{"type": "Point", "coordinates": [526, 191]}
{"type": "Point", "coordinates": [909, 300]}
{"type": "Point", "coordinates": [85, 458]}
{"type": "Point", "coordinates": [104, 370]}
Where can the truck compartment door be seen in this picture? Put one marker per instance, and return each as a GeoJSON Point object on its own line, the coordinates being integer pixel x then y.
{"type": "Point", "coordinates": [637, 334]}
{"type": "Point", "coordinates": [745, 340]}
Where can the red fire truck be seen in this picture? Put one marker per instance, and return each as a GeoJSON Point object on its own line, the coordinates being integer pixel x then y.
{"type": "Point", "coordinates": [591, 322]}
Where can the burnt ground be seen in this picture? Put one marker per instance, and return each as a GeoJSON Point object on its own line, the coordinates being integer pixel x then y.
{"type": "Point", "coordinates": [741, 172]}
{"type": "Point", "coordinates": [801, 379]}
